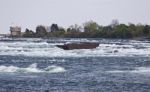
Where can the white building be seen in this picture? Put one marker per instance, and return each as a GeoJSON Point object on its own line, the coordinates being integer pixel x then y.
{"type": "Point", "coordinates": [15, 31]}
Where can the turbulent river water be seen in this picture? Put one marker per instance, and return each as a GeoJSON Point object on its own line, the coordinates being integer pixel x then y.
{"type": "Point", "coordinates": [37, 65]}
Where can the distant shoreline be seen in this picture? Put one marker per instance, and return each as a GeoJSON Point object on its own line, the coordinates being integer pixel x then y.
{"type": "Point", "coordinates": [89, 29]}
{"type": "Point", "coordinates": [137, 38]}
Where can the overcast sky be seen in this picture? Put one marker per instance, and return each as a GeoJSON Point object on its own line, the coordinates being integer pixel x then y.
{"type": "Point", "coordinates": [30, 13]}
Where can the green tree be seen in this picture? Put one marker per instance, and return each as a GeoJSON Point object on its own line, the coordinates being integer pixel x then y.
{"type": "Point", "coordinates": [121, 31]}
{"type": "Point", "coordinates": [41, 31]}
{"type": "Point", "coordinates": [90, 26]}
{"type": "Point", "coordinates": [28, 33]}
{"type": "Point", "coordinates": [132, 29]}
{"type": "Point", "coordinates": [74, 31]}
{"type": "Point", "coordinates": [54, 28]}
{"type": "Point", "coordinates": [60, 33]}
{"type": "Point", "coordinates": [146, 30]}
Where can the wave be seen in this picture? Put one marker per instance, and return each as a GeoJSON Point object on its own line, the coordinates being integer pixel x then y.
{"type": "Point", "coordinates": [31, 69]}
{"type": "Point", "coordinates": [136, 70]}
{"type": "Point", "coordinates": [43, 48]}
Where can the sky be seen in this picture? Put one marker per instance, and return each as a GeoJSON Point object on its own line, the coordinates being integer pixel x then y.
{"type": "Point", "coordinates": [30, 13]}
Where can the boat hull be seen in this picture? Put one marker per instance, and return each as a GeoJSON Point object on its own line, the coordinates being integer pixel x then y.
{"type": "Point", "coordinates": [72, 46]}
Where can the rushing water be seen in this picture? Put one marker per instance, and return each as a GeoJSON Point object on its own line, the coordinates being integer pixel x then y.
{"type": "Point", "coordinates": [37, 65]}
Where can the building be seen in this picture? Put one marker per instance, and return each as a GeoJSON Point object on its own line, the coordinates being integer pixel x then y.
{"type": "Point", "coordinates": [15, 31]}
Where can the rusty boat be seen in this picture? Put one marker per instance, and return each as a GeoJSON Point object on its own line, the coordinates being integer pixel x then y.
{"type": "Point", "coordinates": [81, 45]}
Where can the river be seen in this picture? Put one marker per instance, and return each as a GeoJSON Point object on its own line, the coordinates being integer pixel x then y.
{"type": "Point", "coordinates": [37, 65]}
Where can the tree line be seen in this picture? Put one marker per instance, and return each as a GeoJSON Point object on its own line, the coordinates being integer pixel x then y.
{"type": "Point", "coordinates": [91, 29]}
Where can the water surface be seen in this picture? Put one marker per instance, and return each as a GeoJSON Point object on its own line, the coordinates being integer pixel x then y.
{"type": "Point", "coordinates": [37, 65]}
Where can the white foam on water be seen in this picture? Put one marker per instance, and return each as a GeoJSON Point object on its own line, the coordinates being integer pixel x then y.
{"type": "Point", "coordinates": [31, 69]}
{"type": "Point", "coordinates": [44, 49]}
{"type": "Point", "coordinates": [54, 69]}
{"type": "Point", "coordinates": [143, 70]}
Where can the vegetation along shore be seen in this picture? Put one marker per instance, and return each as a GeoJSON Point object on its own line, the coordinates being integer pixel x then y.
{"type": "Point", "coordinates": [89, 29]}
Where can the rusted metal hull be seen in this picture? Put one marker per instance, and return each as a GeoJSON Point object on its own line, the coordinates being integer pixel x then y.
{"type": "Point", "coordinates": [85, 45]}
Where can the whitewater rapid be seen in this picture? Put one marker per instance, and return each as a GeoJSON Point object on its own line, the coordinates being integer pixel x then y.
{"type": "Point", "coordinates": [31, 69]}
{"type": "Point", "coordinates": [47, 48]}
